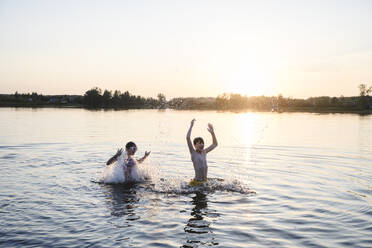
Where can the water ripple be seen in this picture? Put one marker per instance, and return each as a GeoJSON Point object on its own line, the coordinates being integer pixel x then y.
{"type": "Point", "coordinates": [288, 188]}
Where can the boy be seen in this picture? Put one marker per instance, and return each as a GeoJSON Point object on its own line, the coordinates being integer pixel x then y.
{"type": "Point", "coordinates": [199, 155]}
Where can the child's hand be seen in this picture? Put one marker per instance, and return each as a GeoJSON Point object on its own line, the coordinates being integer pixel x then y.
{"type": "Point", "coordinates": [119, 152]}
{"type": "Point", "coordinates": [192, 122]}
{"type": "Point", "coordinates": [210, 128]}
{"type": "Point", "coordinates": [147, 153]}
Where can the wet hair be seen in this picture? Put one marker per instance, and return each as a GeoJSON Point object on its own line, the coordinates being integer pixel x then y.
{"type": "Point", "coordinates": [130, 144]}
{"type": "Point", "coordinates": [198, 140]}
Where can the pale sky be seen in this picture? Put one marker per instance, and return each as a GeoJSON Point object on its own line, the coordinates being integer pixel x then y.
{"type": "Point", "coordinates": [186, 48]}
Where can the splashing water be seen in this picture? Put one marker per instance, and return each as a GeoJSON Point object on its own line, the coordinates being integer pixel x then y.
{"type": "Point", "coordinates": [179, 186]}
{"type": "Point", "coordinates": [114, 174]}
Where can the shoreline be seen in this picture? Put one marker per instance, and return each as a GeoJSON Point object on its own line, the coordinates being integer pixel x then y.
{"type": "Point", "coordinates": [240, 110]}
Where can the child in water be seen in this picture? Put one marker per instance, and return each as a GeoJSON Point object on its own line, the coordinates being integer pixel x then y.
{"type": "Point", "coordinates": [130, 163]}
{"type": "Point", "coordinates": [199, 155]}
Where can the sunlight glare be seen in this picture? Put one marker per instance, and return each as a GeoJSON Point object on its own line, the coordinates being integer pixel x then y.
{"type": "Point", "coordinates": [249, 126]}
{"type": "Point", "coordinates": [251, 79]}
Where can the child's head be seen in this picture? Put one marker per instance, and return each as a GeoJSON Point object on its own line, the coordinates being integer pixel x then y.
{"type": "Point", "coordinates": [199, 144]}
{"type": "Point", "coordinates": [131, 148]}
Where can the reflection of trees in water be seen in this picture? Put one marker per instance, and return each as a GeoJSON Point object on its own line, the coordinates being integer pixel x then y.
{"type": "Point", "coordinates": [121, 200]}
{"type": "Point", "coordinates": [198, 228]}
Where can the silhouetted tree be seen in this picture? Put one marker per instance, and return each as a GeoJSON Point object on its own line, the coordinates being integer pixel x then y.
{"type": "Point", "coordinates": [125, 99]}
{"type": "Point", "coordinates": [364, 90]}
{"type": "Point", "coordinates": [222, 101]}
{"type": "Point", "coordinates": [162, 101]}
{"type": "Point", "coordinates": [364, 95]}
{"type": "Point", "coordinates": [106, 98]}
{"type": "Point", "coordinates": [93, 97]}
{"type": "Point", "coordinates": [116, 98]}
{"type": "Point", "coordinates": [162, 98]}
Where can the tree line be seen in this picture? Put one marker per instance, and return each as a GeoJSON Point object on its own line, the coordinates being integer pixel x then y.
{"type": "Point", "coordinates": [280, 103]}
{"type": "Point", "coordinates": [96, 98]}
{"type": "Point", "coordinates": [93, 98]}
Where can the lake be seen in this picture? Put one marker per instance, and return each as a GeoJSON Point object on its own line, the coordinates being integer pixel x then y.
{"type": "Point", "coordinates": [278, 180]}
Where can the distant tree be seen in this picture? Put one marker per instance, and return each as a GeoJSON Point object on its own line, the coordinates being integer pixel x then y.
{"type": "Point", "coordinates": [125, 100]}
{"type": "Point", "coordinates": [364, 90]}
{"type": "Point", "coordinates": [162, 98]}
{"type": "Point", "coordinates": [237, 101]}
{"type": "Point", "coordinates": [93, 97]}
{"type": "Point", "coordinates": [116, 98]}
{"type": "Point", "coordinates": [106, 98]}
{"type": "Point", "coordinates": [281, 101]}
{"type": "Point", "coordinates": [162, 101]}
{"type": "Point", "coordinates": [222, 101]}
{"type": "Point", "coordinates": [334, 102]}
{"type": "Point", "coordinates": [364, 94]}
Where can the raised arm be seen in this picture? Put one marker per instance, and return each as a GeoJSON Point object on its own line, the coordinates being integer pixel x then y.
{"type": "Point", "coordinates": [215, 143]}
{"type": "Point", "coordinates": [144, 157]}
{"type": "Point", "coordinates": [115, 157]}
{"type": "Point", "coordinates": [189, 144]}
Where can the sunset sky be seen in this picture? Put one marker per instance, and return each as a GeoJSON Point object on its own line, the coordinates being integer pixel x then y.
{"type": "Point", "coordinates": [186, 48]}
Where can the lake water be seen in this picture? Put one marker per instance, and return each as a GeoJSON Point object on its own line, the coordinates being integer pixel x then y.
{"type": "Point", "coordinates": [278, 180]}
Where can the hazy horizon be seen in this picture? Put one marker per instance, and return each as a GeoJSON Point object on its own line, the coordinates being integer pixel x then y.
{"type": "Point", "coordinates": [172, 97]}
{"type": "Point", "coordinates": [186, 49]}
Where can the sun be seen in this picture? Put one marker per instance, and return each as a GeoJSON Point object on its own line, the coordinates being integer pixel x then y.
{"type": "Point", "coordinates": [250, 79]}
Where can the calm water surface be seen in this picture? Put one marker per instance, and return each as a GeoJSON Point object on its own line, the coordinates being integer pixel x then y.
{"type": "Point", "coordinates": [311, 174]}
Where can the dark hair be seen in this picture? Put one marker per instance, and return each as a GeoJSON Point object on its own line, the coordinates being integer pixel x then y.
{"type": "Point", "coordinates": [198, 140]}
{"type": "Point", "coordinates": [130, 144]}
